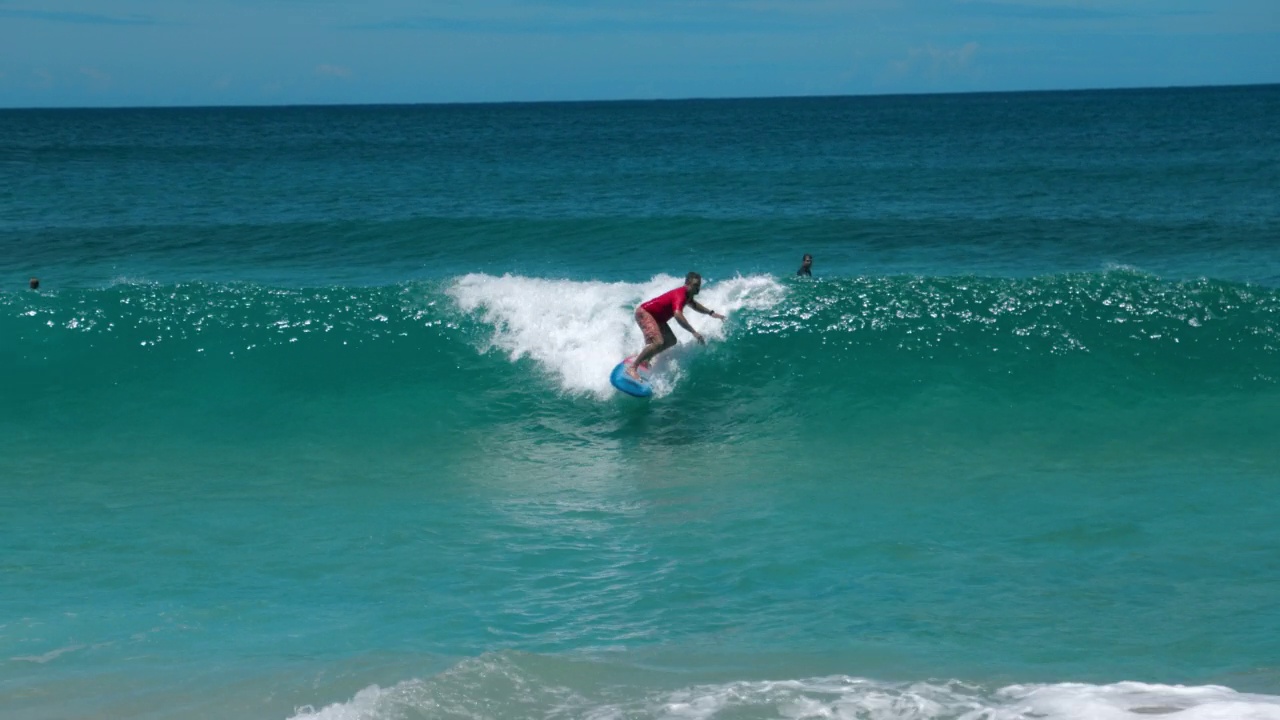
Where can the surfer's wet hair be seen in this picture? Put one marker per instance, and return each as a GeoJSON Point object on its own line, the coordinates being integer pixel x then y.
{"type": "Point", "coordinates": [691, 277]}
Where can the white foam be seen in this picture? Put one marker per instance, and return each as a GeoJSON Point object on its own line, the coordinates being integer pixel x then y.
{"type": "Point", "coordinates": [49, 656]}
{"type": "Point", "coordinates": [577, 331]}
{"type": "Point", "coordinates": [370, 703]}
{"type": "Point", "coordinates": [839, 697]}
{"type": "Point", "coordinates": [1129, 700]}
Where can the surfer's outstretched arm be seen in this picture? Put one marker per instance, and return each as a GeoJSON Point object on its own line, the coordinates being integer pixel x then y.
{"type": "Point", "coordinates": [679, 315]}
{"type": "Point", "coordinates": [704, 310]}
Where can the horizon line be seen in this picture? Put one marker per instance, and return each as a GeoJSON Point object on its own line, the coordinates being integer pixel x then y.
{"type": "Point", "coordinates": [621, 100]}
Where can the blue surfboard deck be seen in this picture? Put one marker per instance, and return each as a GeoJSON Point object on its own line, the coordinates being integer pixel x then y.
{"type": "Point", "coordinates": [623, 381]}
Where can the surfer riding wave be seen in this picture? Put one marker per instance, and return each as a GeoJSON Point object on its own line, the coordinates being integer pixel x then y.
{"type": "Point", "coordinates": [653, 318]}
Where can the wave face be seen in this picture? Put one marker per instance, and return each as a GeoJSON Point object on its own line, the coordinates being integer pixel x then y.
{"type": "Point", "coordinates": [1089, 354]}
{"type": "Point", "coordinates": [1116, 327]}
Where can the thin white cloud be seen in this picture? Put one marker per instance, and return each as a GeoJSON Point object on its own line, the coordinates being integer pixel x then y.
{"type": "Point", "coordinates": [97, 80]}
{"type": "Point", "coordinates": [1032, 10]}
{"type": "Point", "coordinates": [935, 63]}
{"type": "Point", "coordinates": [708, 17]}
{"type": "Point", "coordinates": [333, 71]}
{"type": "Point", "coordinates": [76, 18]}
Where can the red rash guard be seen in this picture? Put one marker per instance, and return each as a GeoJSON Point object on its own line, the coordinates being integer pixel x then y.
{"type": "Point", "coordinates": [664, 307]}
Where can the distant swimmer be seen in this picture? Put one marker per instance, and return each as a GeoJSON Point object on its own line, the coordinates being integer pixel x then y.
{"type": "Point", "coordinates": [653, 316]}
{"type": "Point", "coordinates": [805, 265]}
{"type": "Point", "coordinates": [35, 283]}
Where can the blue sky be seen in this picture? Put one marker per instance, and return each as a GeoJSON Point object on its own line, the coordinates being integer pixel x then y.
{"type": "Point", "coordinates": [56, 53]}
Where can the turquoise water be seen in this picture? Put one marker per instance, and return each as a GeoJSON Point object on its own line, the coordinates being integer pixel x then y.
{"type": "Point", "coordinates": [310, 416]}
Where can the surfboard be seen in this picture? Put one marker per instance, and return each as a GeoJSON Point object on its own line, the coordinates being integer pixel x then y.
{"type": "Point", "coordinates": [626, 384]}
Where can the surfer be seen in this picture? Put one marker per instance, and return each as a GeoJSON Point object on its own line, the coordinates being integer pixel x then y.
{"type": "Point", "coordinates": [34, 284]}
{"type": "Point", "coordinates": [805, 264]}
{"type": "Point", "coordinates": [653, 316]}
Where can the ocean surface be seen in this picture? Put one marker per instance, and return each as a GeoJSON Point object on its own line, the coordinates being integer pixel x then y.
{"type": "Point", "coordinates": [310, 418]}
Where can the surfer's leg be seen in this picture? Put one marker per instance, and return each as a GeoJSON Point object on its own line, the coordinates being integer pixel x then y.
{"type": "Point", "coordinates": [668, 338]}
{"type": "Point", "coordinates": [642, 360]}
{"type": "Point", "coordinates": [654, 339]}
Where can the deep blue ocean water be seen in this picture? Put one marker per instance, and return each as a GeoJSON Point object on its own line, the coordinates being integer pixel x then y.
{"type": "Point", "coordinates": [310, 415]}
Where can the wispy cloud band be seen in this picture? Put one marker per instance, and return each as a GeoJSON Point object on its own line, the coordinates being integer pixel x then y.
{"type": "Point", "coordinates": [77, 18]}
